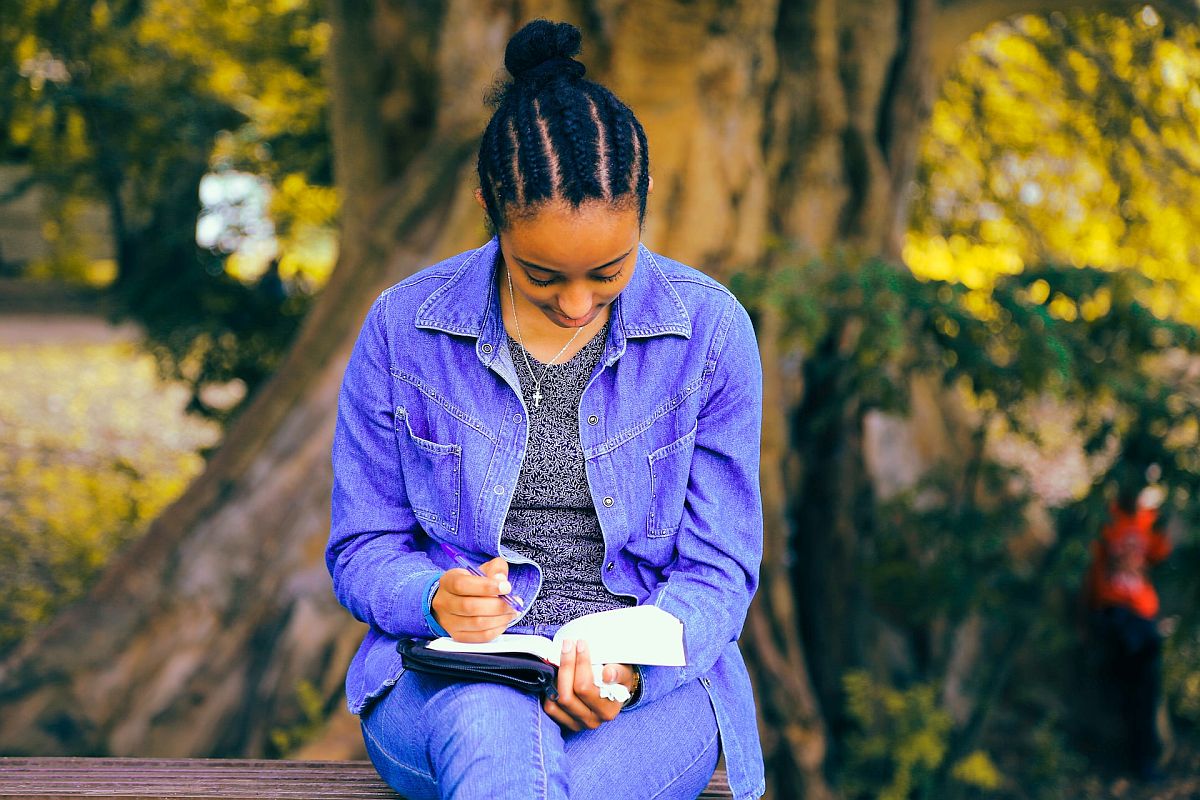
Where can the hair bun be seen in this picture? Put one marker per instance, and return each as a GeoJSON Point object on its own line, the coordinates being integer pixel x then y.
{"type": "Point", "coordinates": [542, 50]}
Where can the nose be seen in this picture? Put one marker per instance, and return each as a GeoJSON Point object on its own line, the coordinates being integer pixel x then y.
{"type": "Point", "coordinates": [575, 303]}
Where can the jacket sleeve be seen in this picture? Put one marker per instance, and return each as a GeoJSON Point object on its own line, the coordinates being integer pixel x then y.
{"type": "Point", "coordinates": [379, 572]}
{"type": "Point", "coordinates": [720, 538]}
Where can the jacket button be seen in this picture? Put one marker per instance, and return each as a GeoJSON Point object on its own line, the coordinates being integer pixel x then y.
{"type": "Point", "coordinates": [517, 418]}
{"type": "Point", "coordinates": [608, 501]}
{"type": "Point", "coordinates": [499, 489]}
{"type": "Point", "coordinates": [611, 566]}
{"type": "Point", "coordinates": [593, 419]}
{"type": "Point", "coordinates": [487, 348]}
{"type": "Point", "coordinates": [706, 681]}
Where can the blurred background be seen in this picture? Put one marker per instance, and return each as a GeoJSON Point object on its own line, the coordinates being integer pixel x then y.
{"type": "Point", "coordinates": [968, 234]}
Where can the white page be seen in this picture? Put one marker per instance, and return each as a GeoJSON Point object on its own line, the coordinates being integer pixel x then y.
{"type": "Point", "coordinates": [634, 635]}
{"type": "Point", "coordinates": [504, 643]}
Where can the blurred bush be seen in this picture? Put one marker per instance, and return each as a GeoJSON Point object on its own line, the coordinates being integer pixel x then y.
{"type": "Point", "coordinates": [955, 553]}
{"type": "Point", "coordinates": [1067, 138]}
{"type": "Point", "coordinates": [92, 447]}
{"type": "Point", "coordinates": [157, 111]}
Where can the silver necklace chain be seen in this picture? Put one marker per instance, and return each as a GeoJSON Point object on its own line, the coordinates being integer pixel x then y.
{"type": "Point", "coordinates": [537, 382]}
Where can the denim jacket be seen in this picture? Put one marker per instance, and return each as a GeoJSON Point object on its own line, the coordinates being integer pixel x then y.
{"type": "Point", "coordinates": [431, 432]}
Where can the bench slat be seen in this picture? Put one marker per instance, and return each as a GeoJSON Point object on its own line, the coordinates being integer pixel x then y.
{"type": "Point", "coordinates": [189, 779]}
{"type": "Point", "coordinates": [207, 779]}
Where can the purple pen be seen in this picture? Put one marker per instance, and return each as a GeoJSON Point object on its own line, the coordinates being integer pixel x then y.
{"type": "Point", "coordinates": [513, 600]}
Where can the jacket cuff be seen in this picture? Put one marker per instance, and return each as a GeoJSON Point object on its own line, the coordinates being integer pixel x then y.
{"type": "Point", "coordinates": [427, 608]}
{"type": "Point", "coordinates": [656, 682]}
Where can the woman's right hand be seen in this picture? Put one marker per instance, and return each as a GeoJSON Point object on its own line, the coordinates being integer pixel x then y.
{"type": "Point", "coordinates": [469, 607]}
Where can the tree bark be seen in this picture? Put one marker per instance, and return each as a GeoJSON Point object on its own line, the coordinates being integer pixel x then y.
{"type": "Point", "coordinates": [794, 122]}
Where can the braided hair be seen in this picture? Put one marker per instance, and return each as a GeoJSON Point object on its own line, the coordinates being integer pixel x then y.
{"type": "Point", "coordinates": [556, 136]}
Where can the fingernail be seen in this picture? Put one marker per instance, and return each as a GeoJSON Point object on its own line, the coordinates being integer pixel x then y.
{"type": "Point", "coordinates": [568, 645]}
{"type": "Point", "coordinates": [610, 674]}
{"type": "Point", "coordinates": [504, 587]}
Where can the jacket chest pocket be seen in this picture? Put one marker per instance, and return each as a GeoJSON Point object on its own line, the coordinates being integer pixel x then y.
{"type": "Point", "coordinates": [432, 475]}
{"type": "Point", "coordinates": [670, 467]}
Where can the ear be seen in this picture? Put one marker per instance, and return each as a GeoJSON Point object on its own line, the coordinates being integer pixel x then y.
{"type": "Point", "coordinates": [482, 204]}
{"type": "Point", "coordinates": [649, 185]}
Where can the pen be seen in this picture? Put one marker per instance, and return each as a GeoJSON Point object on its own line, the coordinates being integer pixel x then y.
{"type": "Point", "coordinates": [513, 600]}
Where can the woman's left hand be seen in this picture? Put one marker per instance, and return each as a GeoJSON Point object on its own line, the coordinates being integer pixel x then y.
{"type": "Point", "coordinates": [579, 704]}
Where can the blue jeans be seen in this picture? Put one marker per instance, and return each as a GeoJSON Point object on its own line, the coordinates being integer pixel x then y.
{"type": "Point", "coordinates": [431, 737]}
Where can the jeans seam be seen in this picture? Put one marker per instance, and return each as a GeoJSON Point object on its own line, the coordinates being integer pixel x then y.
{"type": "Point", "coordinates": [537, 721]}
{"type": "Point", "coordinates": [680, 773]}
{"type": "Point", "coordinates": [392, 759]}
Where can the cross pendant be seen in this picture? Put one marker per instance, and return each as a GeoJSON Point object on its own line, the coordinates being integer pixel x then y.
{"type": "Point", "coordinates": [537, 398]}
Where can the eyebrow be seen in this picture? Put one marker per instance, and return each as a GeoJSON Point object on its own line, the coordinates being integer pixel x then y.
{"type": "Point", "coordinates": [531, 265]}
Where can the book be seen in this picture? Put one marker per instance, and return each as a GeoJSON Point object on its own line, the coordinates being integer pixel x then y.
{"type": "Point", "coordinates": [634, 635]}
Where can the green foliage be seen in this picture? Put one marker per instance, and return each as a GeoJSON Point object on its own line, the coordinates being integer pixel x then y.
{"type": "Point", "coordinates": [955, 544]}
{"type": "Point", "coordinates": [313, 714]}
{"type": "Point", "coordinates": [127, 104]}
{"type": "Point", "coordinates": [880, 325]}
{"type": "Point", "coordinates": [978, 770]}
{"type": "Point", "coordinates": [1181, 676]}
{"type": "Point", "coordinates": [901, 738]}
{"type": "Point", "coordinates": [230, 339]}
{"type": "Point", "coordinates": [924, 569]}
{"type": "Point", "coordinates": [1043, 756]}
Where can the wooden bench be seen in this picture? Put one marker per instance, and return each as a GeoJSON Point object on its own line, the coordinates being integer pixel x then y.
{"type": "Point", "coordinates": [227, 779]}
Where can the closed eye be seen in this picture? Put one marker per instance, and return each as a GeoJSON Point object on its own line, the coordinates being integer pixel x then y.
{"type": "Point", "coordinates": [601, 278]}
{"type": "Point", "coordinates": [555, 275]}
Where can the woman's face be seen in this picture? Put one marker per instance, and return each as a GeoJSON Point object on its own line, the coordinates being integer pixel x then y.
{"type": "Point", "coordinates": [570, 263]}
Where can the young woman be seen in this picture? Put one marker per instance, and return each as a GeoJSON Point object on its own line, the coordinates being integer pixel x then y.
{"type": "Point", "coordinates": [580, 416]}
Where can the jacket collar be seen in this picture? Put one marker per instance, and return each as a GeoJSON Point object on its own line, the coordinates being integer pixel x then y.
{"type": "Point", "coordinates": [469, 305]}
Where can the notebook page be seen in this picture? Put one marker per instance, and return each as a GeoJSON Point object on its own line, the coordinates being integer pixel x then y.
{"type": "Point", "coordinates": [539, 646]}
{"type": "Point", "coordinates": [635, 635]}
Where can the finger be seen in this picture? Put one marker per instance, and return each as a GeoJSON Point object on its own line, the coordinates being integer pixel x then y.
{"type": "Point", "coordinates": [566, 673]}
{"type": "Point", "coordinates": [575, 719]}
{"type": "Point", "coordinates": [476, 637]}
{"type": "Point", "coordinates": [585, 683]}
{"type": "Point", "coordinates": [556, 713]}
{"type": "Point", "coordinates": [460, 582]}
{"type": "Point", "coordinates": [476, 624]}
{"type": "Point", "coordinates": [619, 673]}
{"type": "Point", "coordinates": [577, 697]}
{"type": "Point", "coordinates": [457, 624]}
{"type": "Point", "coordinates": [477, 606]}
{"type": "Point", "coordinates": [624, 675]}
{"type": "Point", "coordinates": [497, 569]}
{"type": "Point", "coordinates": [476, 631]}
{"type": "Point", "coordinates": [599, 709]}
{"type": "Point", "coordinates": [458, 614]}
{"type": "Point", "coordinates": [474, 634]}
{"type": "Point", "coordinates": [615, 673]}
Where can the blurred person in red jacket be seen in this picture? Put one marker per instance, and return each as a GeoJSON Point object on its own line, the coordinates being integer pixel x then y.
{"type": "Point", "coordinates": [1124, 606]}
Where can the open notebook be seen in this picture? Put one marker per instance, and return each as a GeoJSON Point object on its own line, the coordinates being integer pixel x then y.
{"type": "Point", "coordinates": [635, 635]}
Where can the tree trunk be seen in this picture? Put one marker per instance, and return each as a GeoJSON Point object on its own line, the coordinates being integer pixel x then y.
{"type": "Point", "coordinates": [768, 122]}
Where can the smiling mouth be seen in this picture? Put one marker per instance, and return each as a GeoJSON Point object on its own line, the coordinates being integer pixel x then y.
{"type": "Point", "coordinates": [576, 323]}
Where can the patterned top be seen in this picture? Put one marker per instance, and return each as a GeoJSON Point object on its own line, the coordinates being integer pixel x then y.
{"type": "Point", "coordinates": [552, 519]}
